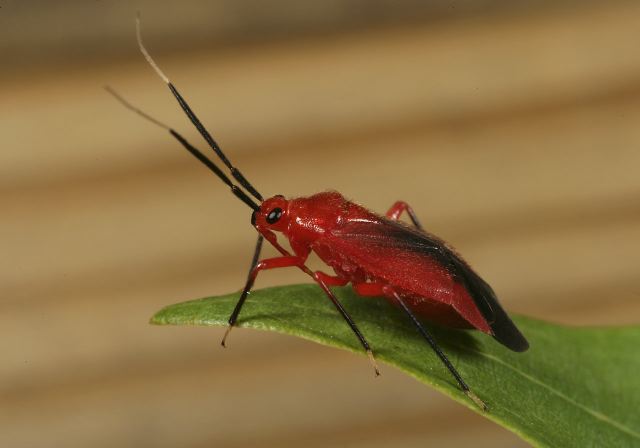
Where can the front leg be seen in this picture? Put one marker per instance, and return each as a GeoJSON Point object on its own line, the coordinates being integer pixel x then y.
{"type": "Point", "coordinates": [324, 280]}
{"type": "Point", "coordinates": [269, 263]}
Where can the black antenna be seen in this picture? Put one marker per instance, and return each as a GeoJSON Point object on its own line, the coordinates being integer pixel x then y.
{"type": "Point", "coordinates": [194, 119]}
{"type": "Point", "coordinates": [189, 147]}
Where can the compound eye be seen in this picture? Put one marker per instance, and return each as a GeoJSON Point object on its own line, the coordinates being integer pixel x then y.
{"type": "Point", "coordinates": [274, 215]}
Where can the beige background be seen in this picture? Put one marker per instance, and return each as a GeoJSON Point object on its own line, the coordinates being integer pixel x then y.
{"type": "Point", "coordinates": [513, 131]}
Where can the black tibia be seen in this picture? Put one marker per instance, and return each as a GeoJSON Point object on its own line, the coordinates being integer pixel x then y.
{"type": "Point", "coordinates": [349, 319]}
{"type": "Point", "coordinates": [249, 283]}
{"type": "Point", "coordinates": [436, 348]}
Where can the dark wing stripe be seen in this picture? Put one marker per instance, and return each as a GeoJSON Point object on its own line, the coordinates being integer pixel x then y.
{"type": "Point", "coordinates": [504, 330]}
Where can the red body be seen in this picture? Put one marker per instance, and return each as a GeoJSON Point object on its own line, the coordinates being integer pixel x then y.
{"type": "Point", "coordinates": [378, 255]}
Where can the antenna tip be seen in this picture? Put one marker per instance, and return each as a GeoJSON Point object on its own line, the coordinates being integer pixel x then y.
{"type": "Point", "coordinates": [144, 51]}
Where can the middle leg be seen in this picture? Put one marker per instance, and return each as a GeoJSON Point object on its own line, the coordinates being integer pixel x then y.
{"type": "Point", "coordinates": [324, 280]}
{"type": "Point", "coordinates": [256, 267]}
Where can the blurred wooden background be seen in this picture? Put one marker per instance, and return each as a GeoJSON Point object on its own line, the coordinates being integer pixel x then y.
{"type": "Point", "coordinates": [513, 130]}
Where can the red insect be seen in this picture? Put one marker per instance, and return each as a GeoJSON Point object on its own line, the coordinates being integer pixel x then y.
{"type": "Point", "coordinates": [378, 255]}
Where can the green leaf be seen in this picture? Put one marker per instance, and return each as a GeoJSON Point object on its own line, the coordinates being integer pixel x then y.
{"type": "Point", "coordinates": [575, 387]}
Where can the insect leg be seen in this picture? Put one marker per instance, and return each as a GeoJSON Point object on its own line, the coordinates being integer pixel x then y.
{"type": "Point", "coordinates": [379, 289]}
{"type": "Point", "coordinates": [369, 289]}
{"type": "Point", "coordinates": [269, 263]}
{"type": "Point", "coordinates": [254, 262]}
{"type": "Point", "coordinates": [436, 348]}
{"type": "Point", "coordinates": [321, 278]}
{"type": "Point", "coordinates": [396, 211]}
{"type": "Point", "coordinates": [331, 280]}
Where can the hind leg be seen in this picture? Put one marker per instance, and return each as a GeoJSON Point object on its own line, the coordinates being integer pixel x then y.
{"type": "Point", "coordinates": [380, 289]}
{"type": "Point", "coordinates": [398, 208]}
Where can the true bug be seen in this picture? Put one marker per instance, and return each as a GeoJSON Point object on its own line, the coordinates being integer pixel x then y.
{"type": "Point", "coordinates": [378, 255]}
